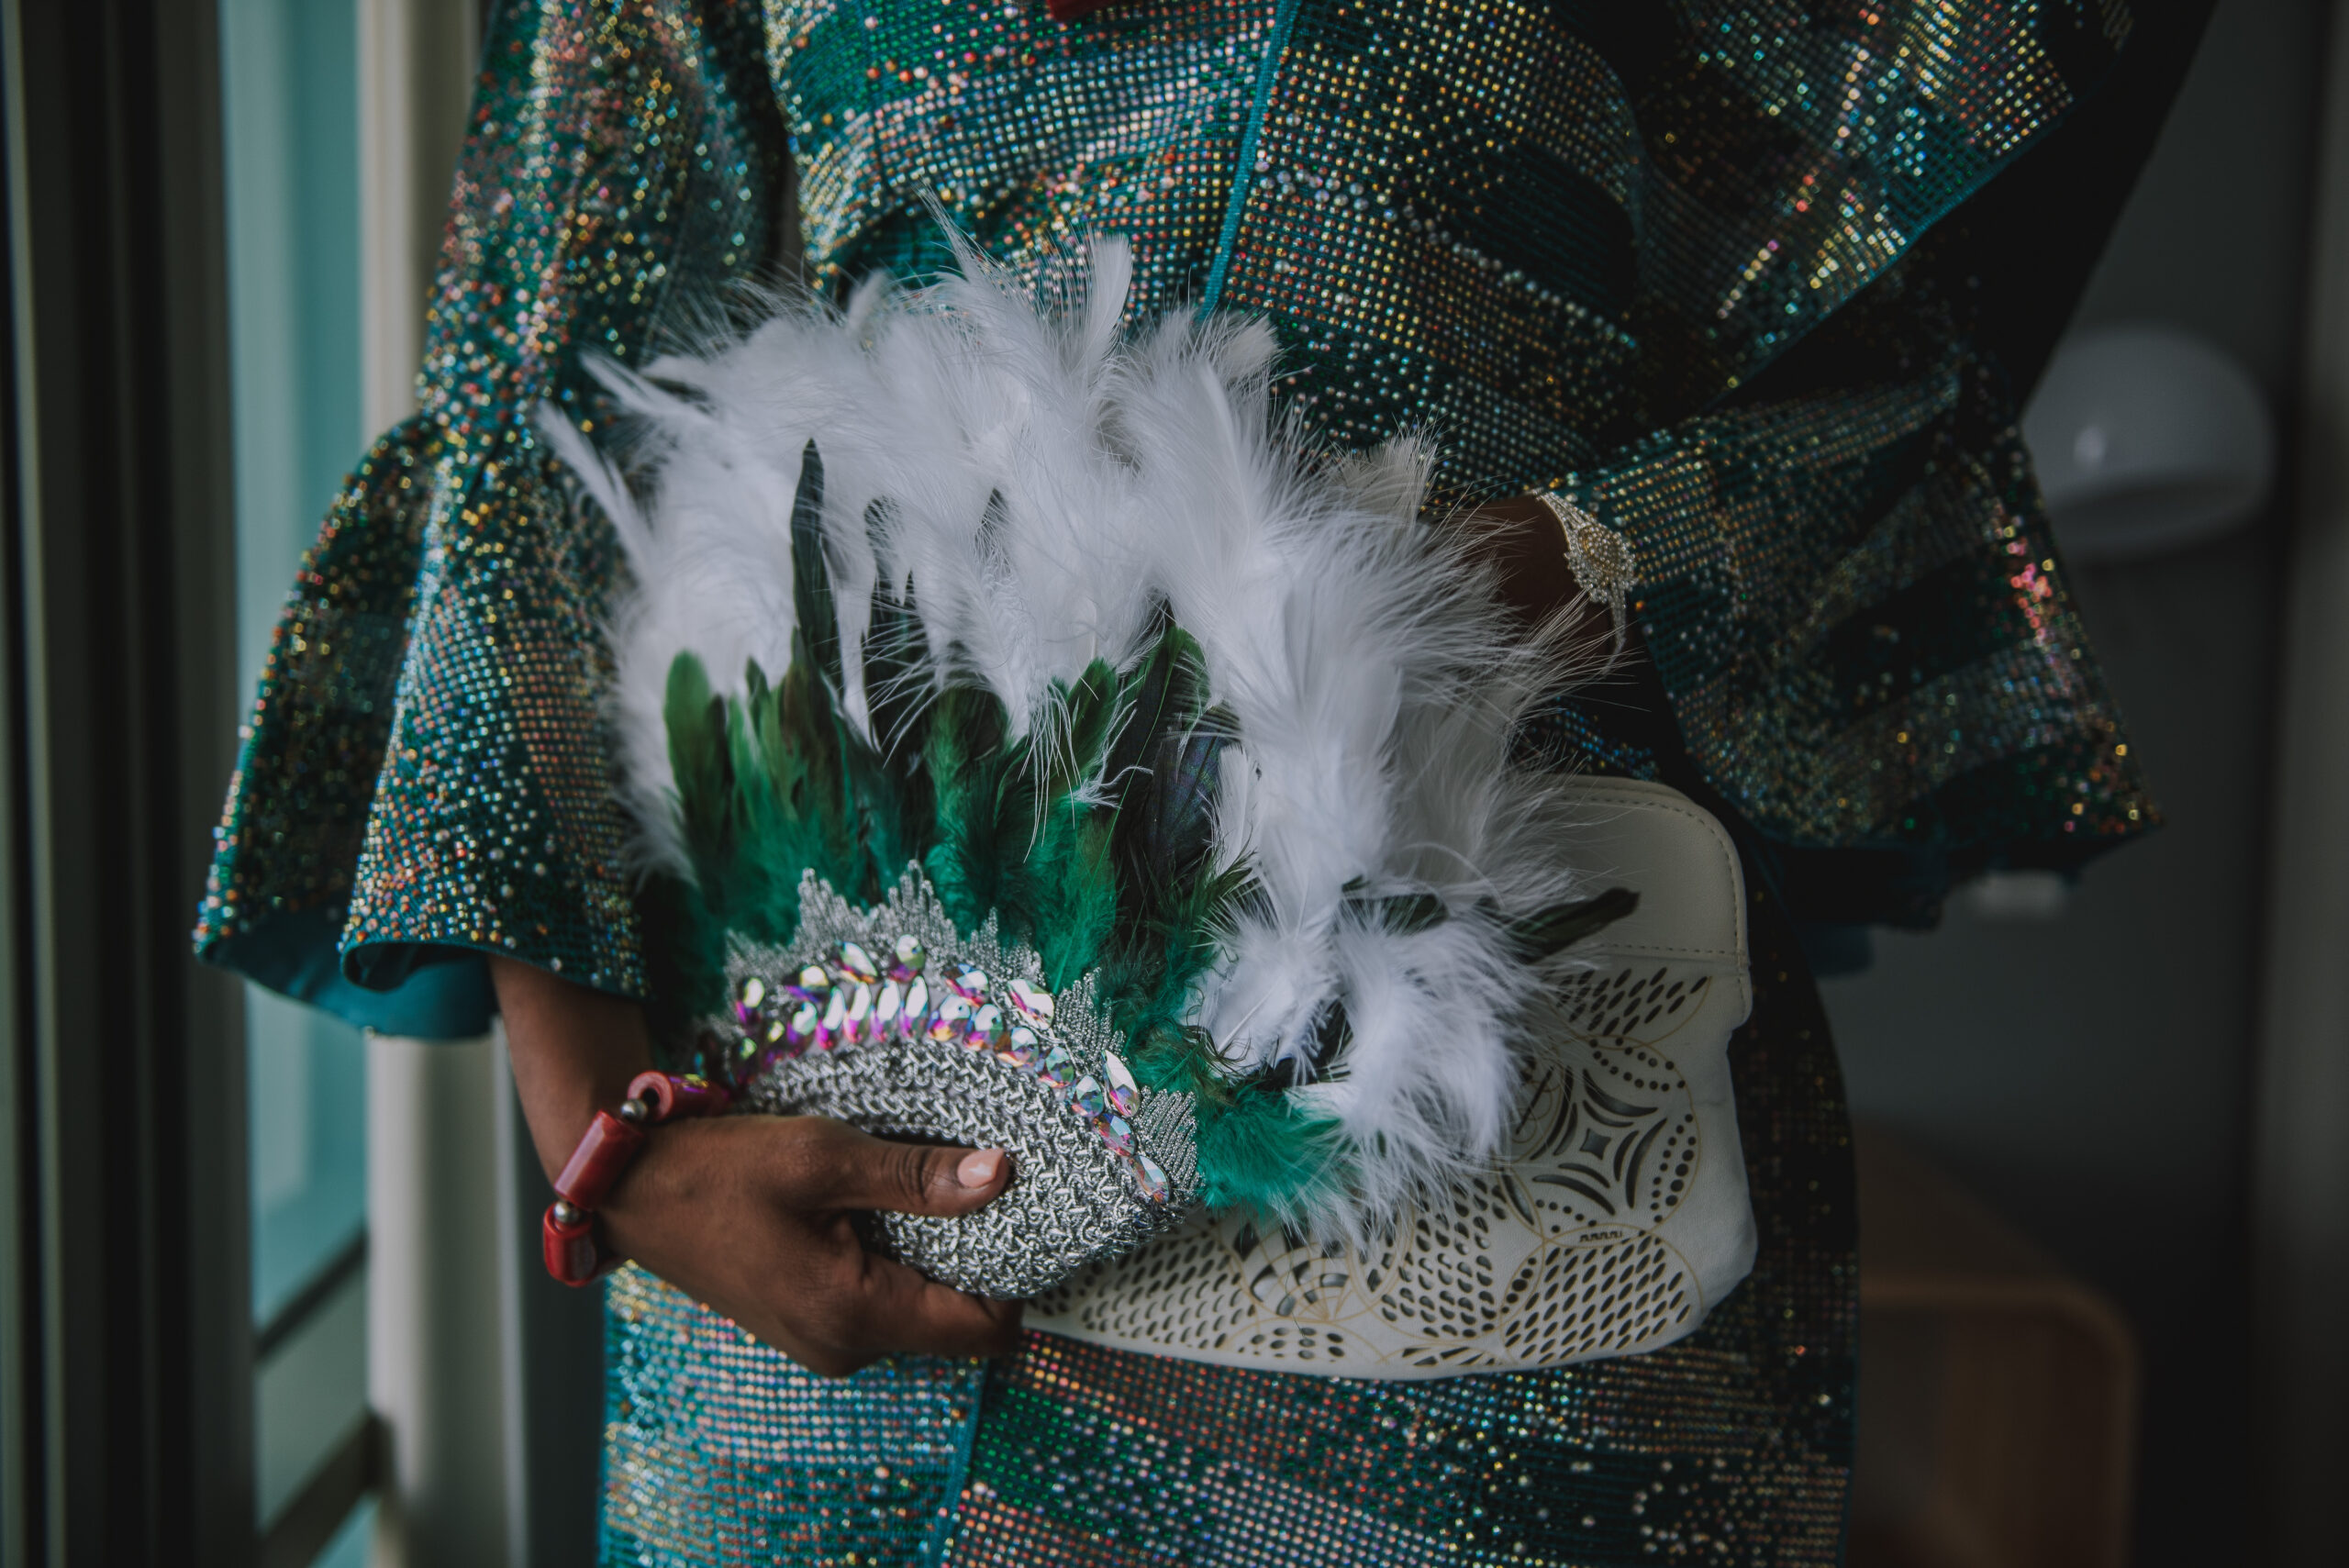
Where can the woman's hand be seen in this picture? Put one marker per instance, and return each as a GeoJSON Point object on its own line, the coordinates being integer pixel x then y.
{"type": "Point", "coordinates": [751, 1215]}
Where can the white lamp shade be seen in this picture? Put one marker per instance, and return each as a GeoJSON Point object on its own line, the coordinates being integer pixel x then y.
{"type": "Point", "coordinates": [2147, 438]}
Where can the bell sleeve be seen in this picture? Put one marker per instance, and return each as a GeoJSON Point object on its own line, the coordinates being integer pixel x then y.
{"type": "Point", "coordinates": [425, 778]}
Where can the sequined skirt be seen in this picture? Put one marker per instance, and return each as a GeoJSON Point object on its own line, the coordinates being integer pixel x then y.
{"type": "Point", "coordinates": [1733, 1445]}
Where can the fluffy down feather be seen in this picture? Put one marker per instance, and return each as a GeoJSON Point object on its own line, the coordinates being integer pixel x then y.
{"type": "Point", "coordinates": [1049, 490]}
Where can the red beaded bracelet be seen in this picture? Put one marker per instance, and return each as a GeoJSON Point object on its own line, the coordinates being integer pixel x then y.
{"type": "Point", "coordinates": [574, 1255]}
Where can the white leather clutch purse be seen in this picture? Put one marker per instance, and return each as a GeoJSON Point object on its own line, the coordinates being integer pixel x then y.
{"type": "Point", "coordinates": [1614, 1222]}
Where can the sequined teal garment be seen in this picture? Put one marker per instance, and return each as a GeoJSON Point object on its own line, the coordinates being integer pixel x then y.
{"type": "Point", "coordinates": [425, 778]}
{"type": "Point", "coordinates": [1595, 246]}
{"type": "Point", "coordinates": [1569, 239]}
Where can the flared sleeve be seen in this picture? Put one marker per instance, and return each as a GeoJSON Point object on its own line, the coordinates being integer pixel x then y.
{"type": "Point", "coordinates": [1853, 608]}
{"type": "Point", "coordinates": [423, 778]}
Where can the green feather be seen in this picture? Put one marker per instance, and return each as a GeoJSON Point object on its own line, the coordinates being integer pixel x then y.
{"type": "Point", "coordinates": [1087, 838]}
{"type": "Point", "coordinates": [964, 755]}
{"type": "Point", "coordinates": [1261, 1152]}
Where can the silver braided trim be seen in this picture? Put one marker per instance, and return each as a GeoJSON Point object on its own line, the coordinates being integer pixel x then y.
{"type": "Point", "coordinates": [982, 1057]}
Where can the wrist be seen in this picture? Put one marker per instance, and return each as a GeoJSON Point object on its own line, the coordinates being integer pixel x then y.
{"type": "Point", "coordinates": [614, 1138]}
{"type": "Point", "coordinates": [575, 1053]}
{"type": "Point", "coordinates": [563, 1112]}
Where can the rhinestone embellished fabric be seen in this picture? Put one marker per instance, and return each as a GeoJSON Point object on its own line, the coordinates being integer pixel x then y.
{"type": "Point", "coordinates": [425, 775]}
{"type": "Point", "coordinates": [1880, 728]}
{"type": "Point", "coordinates": [1573, 240]}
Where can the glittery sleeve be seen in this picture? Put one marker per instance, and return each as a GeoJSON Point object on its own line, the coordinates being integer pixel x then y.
{"type": "Point", "coordinates": [1854, 606]}
{"type": "Point", "coordinates": [425, 778]}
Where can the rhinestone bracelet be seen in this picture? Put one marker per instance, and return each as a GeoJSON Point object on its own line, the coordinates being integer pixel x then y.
{"type": "Point", "coordinates": [1599, 558]}
{"type": "Point", "coordinates": [573, 1254]}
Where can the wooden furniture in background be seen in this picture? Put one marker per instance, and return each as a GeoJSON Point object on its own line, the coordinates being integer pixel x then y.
{"type": "Point", "coordinates": [1998, 1401]}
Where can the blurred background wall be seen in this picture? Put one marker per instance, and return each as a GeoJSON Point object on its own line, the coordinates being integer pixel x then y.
{"type": "Point", "coordinates": [2090, 1073]}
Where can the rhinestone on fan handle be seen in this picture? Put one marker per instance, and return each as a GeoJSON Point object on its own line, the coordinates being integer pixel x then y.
{"type": "Point", "coordinates": [748, 1000]}
{"type": "Point", "coordinates": [1116, 1132]}
{"type": "Point", "coordinates": [1124, 1095]}
{"type": "Point", "coordinates": [950, 1020]}
{"type": "Point", "coordinates": [814, 980]}
{"type": "Point", "coordinates": [1020, 1049]}
{"type": "Point", "coordinates": [1149, 1177]}
{"type": "Point", "coordinates": [986, 1028]}
{"type": "Point", "coordinates": [971, 983]}
{"type": "Point", "coordinates": [1034, 1003]}
{"type": "Point", "coordinates": [858, 1026]}
{"type": "Point", "coordinates": [908, 958]}
{"type": "Point", "coordinates": [1059, 1069]}
{"type": "Point", "coordinates": [887, 1003]}
{"type": "Point", "coordinates": [915, 1017]}
{"type": "Point", "coordinates": [855, 965]}
{"type": "Point", "coordinates": [835, 1025]}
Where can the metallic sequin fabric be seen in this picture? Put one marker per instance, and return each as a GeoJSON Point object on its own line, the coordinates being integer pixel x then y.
{"type": "Point", "coordinates": [1732, 1446]}
{"type": "Point", "coordinates": [1570, 240]}
{"type": "Point", "coordinates": [1581, 241]}
{"type": "Point", "coordinates": [426, 777]}
{"type": "Point", "coordinates": [1910, 668]}
{"type": "Point", "coordinates": [718, 1449]}
{"type": "Point", "coordinates": [1030, 134]}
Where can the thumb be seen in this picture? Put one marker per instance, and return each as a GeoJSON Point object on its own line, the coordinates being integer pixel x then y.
{"type": "Point", "coordinates": [855, 1170]}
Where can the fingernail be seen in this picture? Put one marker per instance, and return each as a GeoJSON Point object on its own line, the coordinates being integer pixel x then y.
{"type": "Point", "coordinates": [978, 1170]}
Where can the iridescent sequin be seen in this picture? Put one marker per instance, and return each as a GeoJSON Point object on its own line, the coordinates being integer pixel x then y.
{"type": "Point", "coordinates": [425, 776]}
{"type": "Point", "coordinates": [833, 1006]}
{"type": "Point", "coordinates": [1570, 238]}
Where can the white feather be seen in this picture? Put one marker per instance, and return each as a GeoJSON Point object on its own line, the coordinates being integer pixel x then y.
{"type": "Point", "coordinates": [1046, 482]}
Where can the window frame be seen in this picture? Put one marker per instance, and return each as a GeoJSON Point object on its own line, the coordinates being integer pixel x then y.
{"type": "Point", "coordinates": [126, 1338]}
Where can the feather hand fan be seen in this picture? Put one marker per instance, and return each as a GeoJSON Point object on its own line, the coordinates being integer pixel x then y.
{"type": "Point", "coordinates": [1041, 751]}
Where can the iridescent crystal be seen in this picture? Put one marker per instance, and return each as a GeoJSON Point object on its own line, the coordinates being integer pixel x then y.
{"type": "Point", "coordinates": [835, 1018]}
{"type": "Point", "coordinates": [1085, 1097]}
{"type": "Point", "coordinates": [805, 1021]}
{"type": "Point", "coordinates": [970, 981]}
{"type": "Point", "coordinates": [1018, 1050]}
{"type": "Point", "coordinates": [1123, 1093]}
{"type": "Point", "coordinates": [885, 1008]}
{"type": "Point", "coordinates": [987, 1027]}
{"type": "Point", "coordinates": [775, 1031]}
{"type": "Point", "coordinates": [1117, 1133]}
{"type": "Point", "coordinates": [951, 1020]}
{"type": "Point", "coordinates": [860, 1009]}
{"type": "Point", "coordinates": [747, 1000]}
{"type": "Point", "coordinates": [911, 956]}
{"type": "Point", "coordinates": [1152, 1179]}
{"type": "Point", "coordinates": [857, 964]}
{"type": "Point", "coordinates": [1032, 1000]}
{"type": "Point", "coordinates": [1060, 1068]}
{"type": "Point", "coordinates": [814, 980]}
{"type": "Point", "coordinates": [915, 1018]}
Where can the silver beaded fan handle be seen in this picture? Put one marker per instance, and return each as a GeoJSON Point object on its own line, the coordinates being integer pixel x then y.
{"type": "Point", "coordinates": [892, 1020]}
